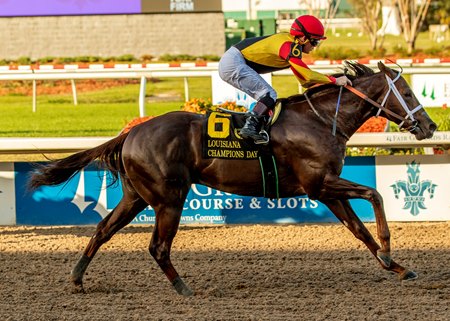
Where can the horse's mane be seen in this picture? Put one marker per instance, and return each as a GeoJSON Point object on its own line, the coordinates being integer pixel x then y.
{"type": "Point", "coordinates": [353, 70]}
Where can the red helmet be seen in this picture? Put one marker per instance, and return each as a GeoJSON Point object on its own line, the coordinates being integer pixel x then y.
{"type": "Point", "coordinates": [308, 26]}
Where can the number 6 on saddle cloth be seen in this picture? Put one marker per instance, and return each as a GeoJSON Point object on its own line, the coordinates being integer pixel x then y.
{"type": "Point", "coordinates": [221, 139]}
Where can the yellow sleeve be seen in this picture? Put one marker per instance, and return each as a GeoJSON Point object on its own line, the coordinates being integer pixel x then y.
{"type": "Point", "coordinates": [308, 77]}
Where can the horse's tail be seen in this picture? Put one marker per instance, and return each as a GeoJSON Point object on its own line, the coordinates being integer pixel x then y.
{"type": "Point", "coordinates": [58, 171]}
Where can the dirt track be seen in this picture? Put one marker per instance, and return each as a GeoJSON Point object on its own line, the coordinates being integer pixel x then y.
{"type": "Point", "coordinates": [301, 272]}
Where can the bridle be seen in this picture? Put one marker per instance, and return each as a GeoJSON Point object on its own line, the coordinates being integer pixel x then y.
{"type": "Point", "coordinates": [381, 107]}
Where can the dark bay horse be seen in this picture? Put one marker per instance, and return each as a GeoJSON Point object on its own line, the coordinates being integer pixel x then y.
{"type": "Point", "coordinates": [157, 161]}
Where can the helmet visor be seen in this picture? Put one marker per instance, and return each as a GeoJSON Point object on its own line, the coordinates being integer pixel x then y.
{"type": "Point", "coordinates": [314, 42]}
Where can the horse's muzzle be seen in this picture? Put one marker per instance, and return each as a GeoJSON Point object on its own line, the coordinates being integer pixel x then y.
{"type": "Point", "coordinates": [422, 130]}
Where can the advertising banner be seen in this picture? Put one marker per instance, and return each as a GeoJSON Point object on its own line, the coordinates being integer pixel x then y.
{"type": "Point", "coordinates": [154, 6]}
{"type": "Point", "coordinates": [88, 197]}
{"type": "Point", "coordinates": [415, 187]}
{"type": "Point", "coordinates": [432, 90]}
{"type": "Point", "coordinates": [17, 8]}
{"type": "Point", "coordinates": [222, 92]}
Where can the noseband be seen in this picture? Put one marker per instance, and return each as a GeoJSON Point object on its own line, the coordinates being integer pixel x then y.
{"type": "Point", "coordinates": [381, 107]}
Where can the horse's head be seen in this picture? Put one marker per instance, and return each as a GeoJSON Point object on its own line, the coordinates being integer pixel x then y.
{"type": "Point", "coordinates": [400, 100]}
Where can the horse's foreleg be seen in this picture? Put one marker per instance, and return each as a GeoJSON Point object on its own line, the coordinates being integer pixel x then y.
{"type": "Point", "coordinates": [167, 221]}
{"type": "Point", "coordinates": [344, 212]}
{"type": "Point", "coordinates": [341, 189]}
{"type": "Point", "coordinates": [130, 205]}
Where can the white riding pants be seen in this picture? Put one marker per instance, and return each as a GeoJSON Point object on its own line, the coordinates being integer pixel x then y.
{"type": "Point", "coordinates": [234, 70]}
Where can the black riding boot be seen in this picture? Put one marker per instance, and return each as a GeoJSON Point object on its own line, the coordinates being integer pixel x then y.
{"type": "Point", "coordinates": [256, 120]}
{"type": "Point", "coordinates": [252, 127]}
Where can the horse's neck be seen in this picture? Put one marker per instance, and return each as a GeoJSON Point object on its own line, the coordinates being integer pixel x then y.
{"type": "Point", "coordinates": [358, 109]}
{"type": "Point", "coordinates": [352, 113]}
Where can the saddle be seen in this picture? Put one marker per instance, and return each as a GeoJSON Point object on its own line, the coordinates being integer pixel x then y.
{"type": "Point", "coordinates": [221, 139]}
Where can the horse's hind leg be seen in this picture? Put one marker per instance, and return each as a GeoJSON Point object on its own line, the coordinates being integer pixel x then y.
{"type": "Point", "coordinates": [129, 206]}
{"type": "Point", "coordinates": [166, 226]}
{"type": "Point", "coordinates": [345, 213]}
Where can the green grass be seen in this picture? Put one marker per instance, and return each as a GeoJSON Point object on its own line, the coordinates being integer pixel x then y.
{"type": "Point", "coordinates": [57, 116]}
{"type": "Point", "coordinates": [106, 112]}
{"type": "Point", "coordinates": [98, 113]}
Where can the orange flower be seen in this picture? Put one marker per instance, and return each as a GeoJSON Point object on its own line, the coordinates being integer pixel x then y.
{"type": "Point", "coordinates": [134, 122]}
{"type": "Point", "coordinates": [373, 125]}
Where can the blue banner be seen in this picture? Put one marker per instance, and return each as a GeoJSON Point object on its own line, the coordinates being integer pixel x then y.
{"type": "Point", "coordinates": [89, 196]}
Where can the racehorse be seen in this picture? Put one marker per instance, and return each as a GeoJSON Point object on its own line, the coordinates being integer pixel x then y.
{"type": "Point", "coordinates": [158, 160]}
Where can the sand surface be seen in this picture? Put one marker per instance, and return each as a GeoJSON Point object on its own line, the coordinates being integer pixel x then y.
{"type": "Point", "coordinates": [254, 272]}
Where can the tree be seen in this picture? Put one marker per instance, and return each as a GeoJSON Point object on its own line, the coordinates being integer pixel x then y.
{"type": "Point", "coordinates": [370, 13]}
{"type": "Point", "coordinates": [315, 8]}
{"type": "Point", "coordinates": [412, 15]}
{"type": "Point", "coordinates": [438, 13]}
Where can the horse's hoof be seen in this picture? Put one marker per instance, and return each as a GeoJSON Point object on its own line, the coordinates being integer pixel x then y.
{"type": "Point", "coordinates": [78, 288]}
{"type": "Point", "coordinates": [385, 258]}
{"type": "Point", "coordinates": [181, 287]}
{"type": "Point", "coordinates": [77, 284]}
{"type": "Point", "coordinates": [408, 275]}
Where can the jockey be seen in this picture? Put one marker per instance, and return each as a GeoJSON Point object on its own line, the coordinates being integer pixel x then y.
{"type": "Point", "coordinates": [242, 64]}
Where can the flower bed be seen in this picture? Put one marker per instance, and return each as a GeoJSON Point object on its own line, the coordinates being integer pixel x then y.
{"type": "Point", "coordinates": [134, 122]}
{"type": "Point", "coordinates": [200, 106]}
{"type": "Point", "coordinates": [373, 125]}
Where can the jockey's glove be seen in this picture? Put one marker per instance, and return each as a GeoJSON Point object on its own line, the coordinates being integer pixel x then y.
{"type": "Point", "coordinates": [342, 81]}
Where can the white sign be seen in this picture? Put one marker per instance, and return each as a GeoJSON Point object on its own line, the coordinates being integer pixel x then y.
{"type": "Point", "coordinates": [181, 5]}
{"type": "Point", "coordinates": [432, 90]}
{"type": "Point", "coordinates": [7, 194]}
{"type": "Point", "coordinates": [414, 188]}
{"type": "Point", "coordinates": [223, 92]}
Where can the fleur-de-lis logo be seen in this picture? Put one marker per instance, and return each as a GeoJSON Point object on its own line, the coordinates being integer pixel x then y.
{"type": "Point", "coordinates": [414, 189]}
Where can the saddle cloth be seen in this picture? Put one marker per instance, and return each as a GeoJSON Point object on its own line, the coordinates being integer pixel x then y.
{"type": "Point", "coordinates": [221, 137]}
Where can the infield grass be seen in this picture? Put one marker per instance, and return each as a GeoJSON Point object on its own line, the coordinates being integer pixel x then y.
{"type": "Point", "coordinates": [102, 112]}
{"type": "Point", "coordinates": [105, 112]}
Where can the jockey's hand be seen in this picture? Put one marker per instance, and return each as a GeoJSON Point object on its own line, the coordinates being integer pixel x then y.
{"type": "Point", "coordinates": [342, 81]}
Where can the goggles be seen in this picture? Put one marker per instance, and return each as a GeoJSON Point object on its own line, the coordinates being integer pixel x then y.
{"type": "Point", "coordinates": [314, 42]}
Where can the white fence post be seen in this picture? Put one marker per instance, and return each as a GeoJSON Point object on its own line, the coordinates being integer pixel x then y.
{"type": "Point", "coordinates": [186, 89]}
{"type": "Point", "coordinates": [142, 96]}
{"type": "Point", "coordinates": [34, 96]}
{"type": "Point", "coordinates": [74, 92]}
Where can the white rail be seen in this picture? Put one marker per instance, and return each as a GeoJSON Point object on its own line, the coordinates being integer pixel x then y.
{"type": "Point", "coordinates": [186, 70]}
{"type": "Point", "coordinates": [73, 144]}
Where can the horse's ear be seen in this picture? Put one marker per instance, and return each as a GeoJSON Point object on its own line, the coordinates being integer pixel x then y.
{"type": "Point", "coordinates": [388, 71]}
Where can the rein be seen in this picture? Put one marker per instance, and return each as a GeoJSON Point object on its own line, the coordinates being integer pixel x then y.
{"type": "Point", "coordinates": [381, 107]}
{"type": "Point", "coordinates": [323, 119]}
{"type": "Point", "coordinates": [392, 88]}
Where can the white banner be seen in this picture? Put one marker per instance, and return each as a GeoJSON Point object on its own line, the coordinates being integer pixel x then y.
{"type": "Point", "coordinates": [222, 92]}
{"type": "Point", "coordinates": [7, 194]}
{"type": "Point", "coordinates": [432, 90]}
{"type": "Point", "coordinates": [415, 187]}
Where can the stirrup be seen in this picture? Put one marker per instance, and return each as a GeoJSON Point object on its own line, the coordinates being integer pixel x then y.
{"type": "Point", "coordinates": [264, 140]}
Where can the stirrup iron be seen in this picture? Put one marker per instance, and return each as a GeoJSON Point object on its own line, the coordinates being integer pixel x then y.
{"type": "Point", "coordinates": [264, 140]}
